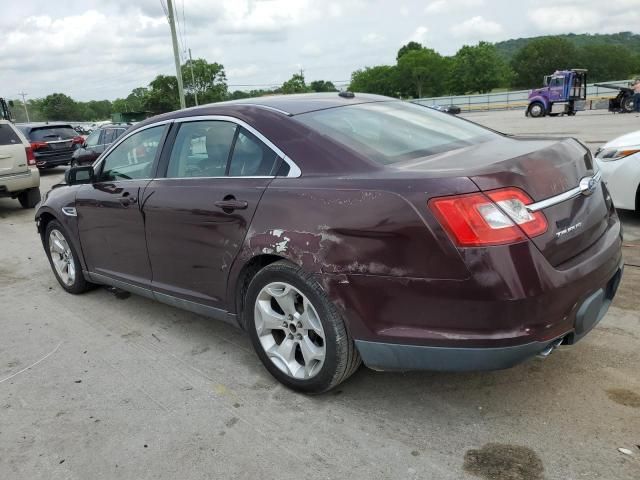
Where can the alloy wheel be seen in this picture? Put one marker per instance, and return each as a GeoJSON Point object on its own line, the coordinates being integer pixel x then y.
{"type": "Point", "coordinates": [62, 258]}
{"type": "Point", "coordinates": [289, 330]}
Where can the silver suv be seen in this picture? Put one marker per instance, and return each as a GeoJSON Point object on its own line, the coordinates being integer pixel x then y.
{"type": "Point", "coordinates": [19, 176]}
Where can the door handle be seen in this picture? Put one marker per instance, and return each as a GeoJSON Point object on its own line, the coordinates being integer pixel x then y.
{"type": "Point", "coordinates": [128, 200]}
{"type": "Point", "coordinates": [231, 205]}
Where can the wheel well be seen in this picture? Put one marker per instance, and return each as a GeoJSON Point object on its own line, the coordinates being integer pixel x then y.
{"type": "Point", "coordinates": [251, 268]}
{"type": "Point", "coordinates": [45, 218]}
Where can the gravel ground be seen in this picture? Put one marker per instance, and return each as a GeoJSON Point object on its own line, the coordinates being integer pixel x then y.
{"type": "Point", "coordinates": [105, 386]}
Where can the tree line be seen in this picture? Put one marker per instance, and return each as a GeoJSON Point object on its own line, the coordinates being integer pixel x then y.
{"type": "Point", "coordinates": [419, 71]}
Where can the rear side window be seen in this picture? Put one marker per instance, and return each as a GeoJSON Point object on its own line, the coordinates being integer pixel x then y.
{"type": "Point", "coordinates": [109, 136]}
{"type": "Point", "coordinates": [201, 149]}
{"type": "Point", "coordinates": [8, 136]}
{"type": "Point", "coordinates": [392, 132]}
{"type": "Point", "coordinates": [251, 157]}
{"type": "Point", "coordinates": [47, 133]}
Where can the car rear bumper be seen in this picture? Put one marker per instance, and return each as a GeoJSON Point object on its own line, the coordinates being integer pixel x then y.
{"type": "Point", "coordinates": [513, 305]}
{"type": "Point", "coordinates": [53, 160]}
{"type": "Point", "coordinates": [18, 182]}
{"type": "Point", "coordinates": [393, 356]}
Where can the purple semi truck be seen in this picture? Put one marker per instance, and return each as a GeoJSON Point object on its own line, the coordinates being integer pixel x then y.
{"type": "Point", "coordinates": [564, 92]}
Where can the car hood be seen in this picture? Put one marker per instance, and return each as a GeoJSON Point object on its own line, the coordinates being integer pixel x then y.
{"type": "Point", "coordinates": [627, 140]}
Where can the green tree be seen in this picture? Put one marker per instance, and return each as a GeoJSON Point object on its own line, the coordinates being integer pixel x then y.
{"type": "Point", "coordinates": [382, 80]}
{"type": "Point", "coordinates": [295, 84]}
{"type": "Point", "coordinates": [209, 81]}
{"type": "Point", "coordinates": [608, 62]}
{"type": "Point", "coordinates": [409, 47]}
{"type": "Point", "coordinates": [163, 94]}
{"type": "Point", "coordinates": [542, 57]}
{"type": "Point", "coordinates": [59, 106]}
{"type": "Point", "coordinates": [322, 86]}
{"type": "Point", "coordinates": [423, 73]}
{"type": "Point", "coordinates": [478, 68]}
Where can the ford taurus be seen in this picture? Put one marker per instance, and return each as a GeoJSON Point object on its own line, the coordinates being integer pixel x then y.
{"type": "Point", "coordinates": [339, 228]}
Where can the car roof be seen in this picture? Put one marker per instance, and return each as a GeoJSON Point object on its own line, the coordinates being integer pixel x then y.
{"type": "Point", "coordinates": [301, 103]}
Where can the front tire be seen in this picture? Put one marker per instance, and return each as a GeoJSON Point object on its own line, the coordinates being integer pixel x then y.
{"type": "Point", "coordinates": [64, 259]}
{"type": "Point", "coordinates": [29, 198]}
{"type": "Point", "coordinates": [296, 331]}
{"type": "Point", "coordinates": [536, 110]}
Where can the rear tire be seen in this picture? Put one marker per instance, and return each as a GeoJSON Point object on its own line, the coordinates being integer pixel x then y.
{"type": "Point", "coordinates": [64, 259]}
{"type": "Point", "coordinates": [536, 110]}
{"type": "Point", "coordinates": [296, 331]}
{"type": "Point", "coordinates": [626, 105]}
{"type": "Point", "coordinates": [29, 198]}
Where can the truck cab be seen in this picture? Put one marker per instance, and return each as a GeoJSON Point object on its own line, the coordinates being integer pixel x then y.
{"type": "Point", "coordinates": [564, 92]}
{"type": "Point", "coordinates": [5, 113]}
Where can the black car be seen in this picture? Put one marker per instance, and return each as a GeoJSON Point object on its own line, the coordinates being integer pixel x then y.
{"type": "Point", "coordinates": [53, 144]}
{"type": "Point", "coordinates": [97, 142]}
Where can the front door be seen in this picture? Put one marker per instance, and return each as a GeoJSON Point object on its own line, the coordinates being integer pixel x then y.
{"type": "Point", "coordinates": [110, 220]}
{"type": "Point", "coordinates": [198, 215]}
{"type": "Point", "coordinates": [556, 89]}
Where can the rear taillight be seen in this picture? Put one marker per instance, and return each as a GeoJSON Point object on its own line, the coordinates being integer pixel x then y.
{"type": "Point", "coordinates": [38, 145]}
{"type": "Point", "coordinates": [77, 140]}
{"type": "Point", "coordinates": [495, 218]}
{"type": "Point", "coordinates": [31, 160]}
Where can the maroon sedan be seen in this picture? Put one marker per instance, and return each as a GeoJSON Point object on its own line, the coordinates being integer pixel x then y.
{"type": "Point", "coordinates": [337, 229]}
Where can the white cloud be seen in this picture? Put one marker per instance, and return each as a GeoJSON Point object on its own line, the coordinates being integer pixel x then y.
{"type": "Point", "coordinates": [404, 11]}
{"type": "Point", "coordinates": [243, 71]}
{"type": "Point", "coordinates": [447, 6]}
{"type": "Point", "coordinates": [563, 19]}
{"type": "Point", "coordinates": [372, 38]}
{"type": "Point", "coordinates": [476, 28]}
{"type": "Point", "coordinates": [419, 35]}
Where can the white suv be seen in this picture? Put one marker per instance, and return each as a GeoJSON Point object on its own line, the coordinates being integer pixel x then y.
{"type": "Point", "coordinates": [19, 176]}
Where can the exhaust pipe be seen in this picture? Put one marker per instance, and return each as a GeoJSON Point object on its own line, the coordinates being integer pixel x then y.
{"type": "Point", "coordinates": [550, 348]}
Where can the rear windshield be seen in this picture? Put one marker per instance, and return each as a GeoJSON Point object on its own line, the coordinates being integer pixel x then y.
{"type": "Point", "coordinates": [44, 134]}
{"type": "Point", "coordinates": [392, 132]}
{"type": "Point", "coordinates": [8, 136]}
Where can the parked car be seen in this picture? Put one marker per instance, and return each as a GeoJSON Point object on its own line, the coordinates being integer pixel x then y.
{"type": "Point", "coordinates": [619, 161]}
{"type": "Point", "coordinates": [96, 143]}
{"type": "Point", "coordinates": [338, 229]}
{"type": "Point", "coordinates": [53, 144]}
{"type": "Point", "coordinates": [452, 109]}
{"type": "Point", "coordinates": [19, 177]}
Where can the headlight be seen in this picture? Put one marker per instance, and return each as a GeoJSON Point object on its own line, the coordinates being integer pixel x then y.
{"type": "Point", "coordinates": [611, 154]}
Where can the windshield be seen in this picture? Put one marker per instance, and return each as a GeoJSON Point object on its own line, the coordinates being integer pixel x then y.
{"type": "Point", "coordinates": [392, 132]}
{"type": "Point", "coordinates": [44, 134]}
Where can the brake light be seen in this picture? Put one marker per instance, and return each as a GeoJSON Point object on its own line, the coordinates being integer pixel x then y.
{"type": "Point", "coordinates": [495, 218]}
{"type": "Point", "coordinates": [77, 140]}
{"type": "Point", "coordinates": [38, 145]}
{"type": "Point", "coordinates": [31, 159]}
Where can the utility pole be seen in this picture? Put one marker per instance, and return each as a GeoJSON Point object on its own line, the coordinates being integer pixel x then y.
{"type": "Point", "coordinates": [193, 79]}
{"type": "Point", "coordinates": [24, 104]}
{"type": "Point", "coordinates": [176, 55]}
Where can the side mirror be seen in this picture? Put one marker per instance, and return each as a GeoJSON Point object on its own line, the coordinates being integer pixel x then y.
{"type": "Point", "coordinates": [79, 175]}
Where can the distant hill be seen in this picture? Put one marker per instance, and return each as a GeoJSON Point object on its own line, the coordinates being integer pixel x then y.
{"type": "Point", "coordinates": [630, 40]}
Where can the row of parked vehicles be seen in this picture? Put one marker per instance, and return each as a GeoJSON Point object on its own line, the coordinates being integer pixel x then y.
{"type": "Point", "coordinates": [27, 148]}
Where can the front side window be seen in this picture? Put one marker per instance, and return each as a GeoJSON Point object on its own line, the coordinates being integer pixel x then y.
{"type": "Point", "coordinates": [134, 157]}
{"type": "Point", "coordinates": [394, 131]}
{"type": "Point", "coordinates": [201, 149]}
{"type": "Point", "coordinates": [93, 138]}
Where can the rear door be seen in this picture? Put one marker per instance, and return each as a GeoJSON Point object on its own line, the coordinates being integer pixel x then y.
{"type": "Point", "coordinates": [110, 220]}
{"type": "Point", "coordinates": [13, 158]}
{"type": "Point", "coordinates": [198, 215]}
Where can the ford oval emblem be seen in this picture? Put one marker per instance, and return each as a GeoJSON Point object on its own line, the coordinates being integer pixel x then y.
{"type": "Point", "coordinates": [588, 185]}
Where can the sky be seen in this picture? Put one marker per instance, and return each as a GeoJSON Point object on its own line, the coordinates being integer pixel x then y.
{"type": "Point", "coordinates": [102, 49]}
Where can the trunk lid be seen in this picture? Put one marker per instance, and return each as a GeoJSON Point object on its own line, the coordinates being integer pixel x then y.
{"type": "Point", "coordinates": [543, 168]}
{"type": "Point", "coordinates": [13, 157]}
